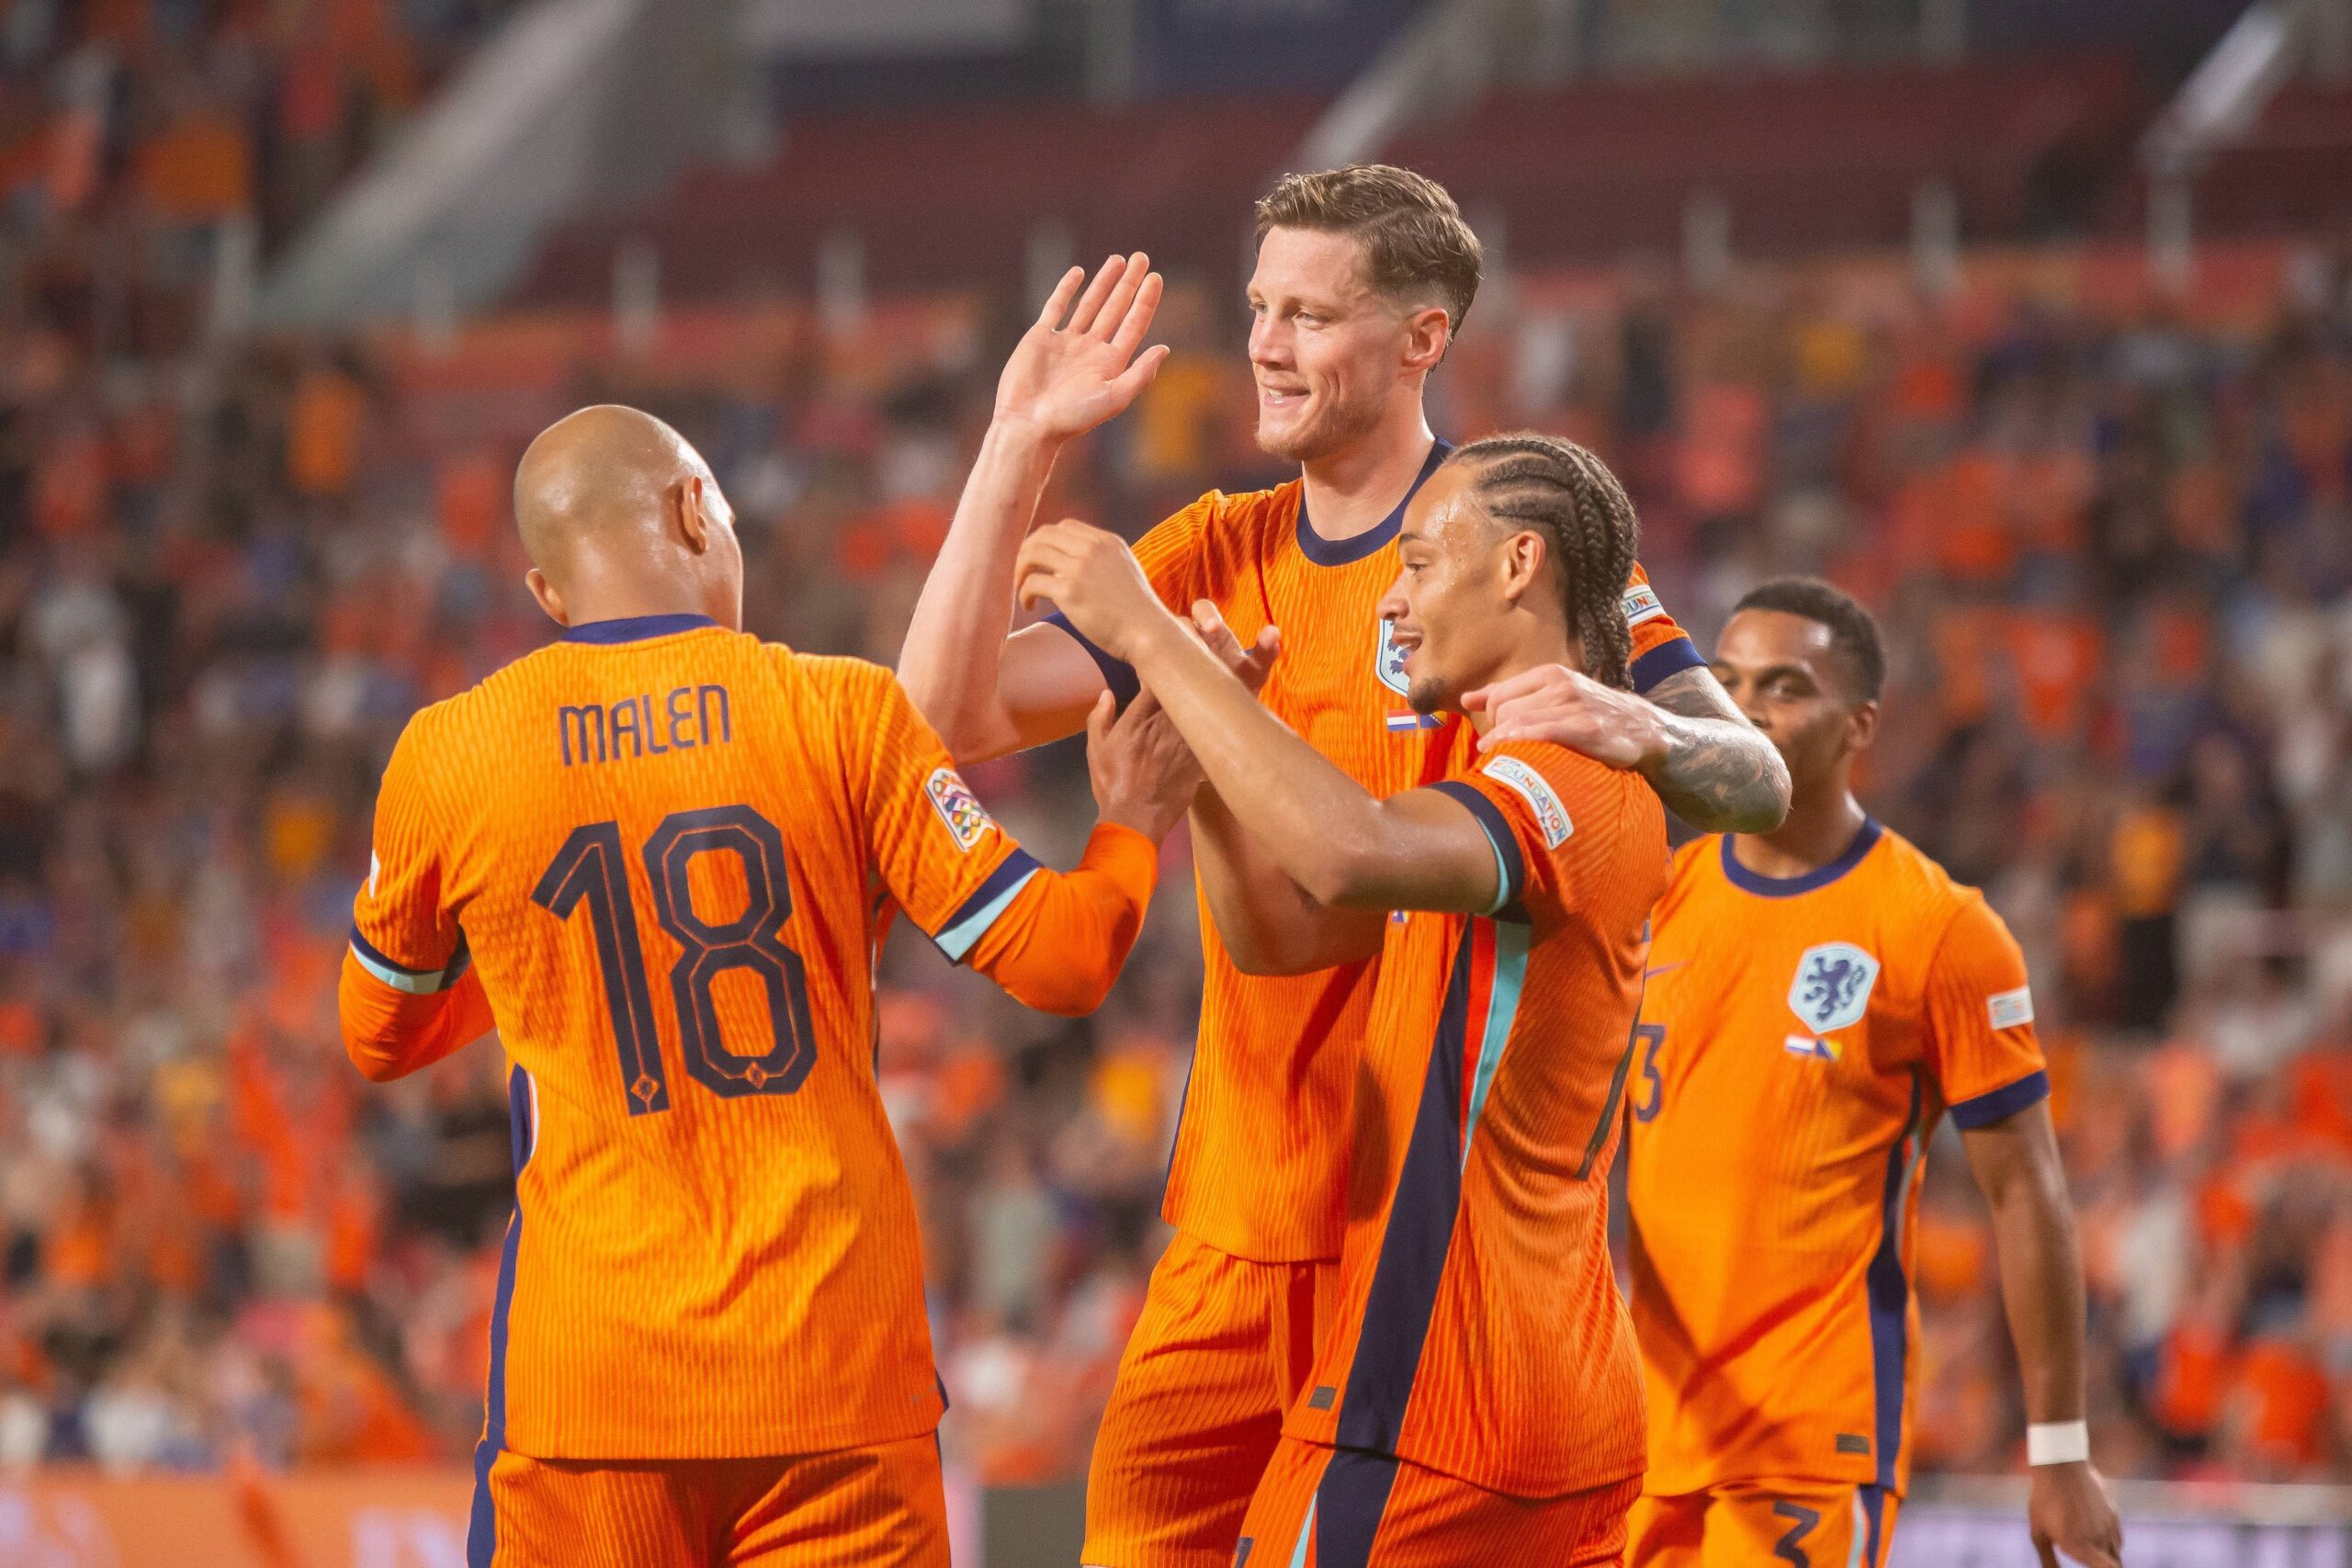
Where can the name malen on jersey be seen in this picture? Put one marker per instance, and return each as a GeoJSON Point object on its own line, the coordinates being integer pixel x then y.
{"type": "Point", "coordinates": [644, 726]}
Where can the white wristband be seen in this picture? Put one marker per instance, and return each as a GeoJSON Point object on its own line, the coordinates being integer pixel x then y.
{"type": "Point", "coordinates": [2058, 1442]}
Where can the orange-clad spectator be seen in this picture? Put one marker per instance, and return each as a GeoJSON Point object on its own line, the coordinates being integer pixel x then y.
{"type": "Point", "coordinates": [1964, 638]}
{"type": "Point", "coordinates": [70, 482]}
{"type": "Point", "coordinates": [2184, 1087]}
{"type": "Point", "coordinates": [198, 169]}
{"type": "Point", "coordinates": [2056, 658]}
{"type": "Point", "coordinates": [323, 434]}
{"type": "Point", "coordinates": [471, 498]}
{"type": "Point", "coordinates": [2146, 853]}
{"type": "Point", "coordinates": [2047, 495]}
{"type": "Point", "coordinates": [1719, 459]}
{"type": "Point", "coordinates": [2274, 1417]}
{"type": "Point", "coordinates": [2192, 1377]}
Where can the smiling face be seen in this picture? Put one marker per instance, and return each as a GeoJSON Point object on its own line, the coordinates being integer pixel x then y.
{"type": "Point", "coordinates": [1462, 585]}
{"type": "Point", "coordinates": [1329, 352]}
{"type": "Point", "coordinates": [1786, 675]}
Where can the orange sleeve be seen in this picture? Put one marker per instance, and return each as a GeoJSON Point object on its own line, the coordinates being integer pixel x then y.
{"type": "Point", "coordinates": [1521, 793]}
{"type": "Point", "coordinates": [1055, 941]}
{"type": "Point", "coordinates": [1062, 940]}
{"type": "Point", "coordinates": [389, 1033]}
{"type": "Point", "coordinates": [1174, 558]}
{"type": "Point", "coordinates": [1660, 646]}
{"type": "Point", "coordinates": [406, 997]}
{"type": "Point", "coordinates": [1980, 1038]}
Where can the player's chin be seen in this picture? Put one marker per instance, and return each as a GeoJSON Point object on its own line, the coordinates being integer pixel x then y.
{"type": "Point", "coordinates": [1432, 694]}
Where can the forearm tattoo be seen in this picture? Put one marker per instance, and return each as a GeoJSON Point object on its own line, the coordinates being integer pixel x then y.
{"type": "Point", "coordinates": [1720, 774]}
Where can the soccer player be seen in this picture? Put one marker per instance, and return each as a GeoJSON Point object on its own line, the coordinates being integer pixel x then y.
{"type": "Point", "coordinates": [1819, 996]}
{"type": "Point", "coordinates": [1476, 1398]}
{"type": "Point", "coordinates": [1362, 276]}
{"type": "Point", "coordinates": [648, 854]}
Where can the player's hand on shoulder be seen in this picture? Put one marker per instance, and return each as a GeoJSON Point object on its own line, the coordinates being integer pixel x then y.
{"type": "Point", "coordinates": [2070, 1512]}
{"type": "Point", "coordinates": [1569, 708]}
{"type": "Point", "coordinates": [1091, 576]}
{"type": "Point", "coordinates": [1077, 365]}
{"type": "Point", "coordinates": [1143, 773]}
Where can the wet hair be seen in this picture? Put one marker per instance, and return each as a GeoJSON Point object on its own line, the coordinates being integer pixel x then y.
{"type": "Point", "coordinates": [1558, 487]}
{"type": "Point", "coordinates": [1416, 245]}
{"type": "Point", "coordinates": [1853, 630]}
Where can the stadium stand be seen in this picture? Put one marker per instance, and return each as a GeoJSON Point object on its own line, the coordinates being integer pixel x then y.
{"type": "Point", "coordinates": [2111, 545]}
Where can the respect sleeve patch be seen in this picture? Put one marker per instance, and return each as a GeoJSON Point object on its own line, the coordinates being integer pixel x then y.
{"type": "Point", "coordinates": [1529, 785]}
{"type": "Point", "coordinates": [1642, 604]}
{"type": "Point", "coordinates": [2008, 1009]}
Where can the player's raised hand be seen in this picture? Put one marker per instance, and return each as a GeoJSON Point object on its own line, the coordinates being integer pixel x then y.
{"type": "Point", "coordinates": [2070, 1512]}
{"type": "Point", "coordinates": [1143, 773]}
{"type": "Point", "coordinates": [1570, 708]}
{"type": "Point", "coordinates": [1092, 579]}
{"type": "Point", "coordinates": [1250, 665]}
{"type": "Point", "coordinates": [1077, 364]}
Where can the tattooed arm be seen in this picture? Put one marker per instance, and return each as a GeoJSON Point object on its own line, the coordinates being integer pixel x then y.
{"type": "Point", "coordinates": [1711, 767]}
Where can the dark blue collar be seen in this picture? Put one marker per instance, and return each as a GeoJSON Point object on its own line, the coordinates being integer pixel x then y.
{"type": "Point", "coordinates": [633, 628]}
{"type": "Point", "coordinates": [1819, 876]}
{"type": "Point", "coordinates": [1339, 552]}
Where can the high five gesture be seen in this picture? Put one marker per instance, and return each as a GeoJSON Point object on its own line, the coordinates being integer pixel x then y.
{"type": "Point", "coordinates": [1077, 365]}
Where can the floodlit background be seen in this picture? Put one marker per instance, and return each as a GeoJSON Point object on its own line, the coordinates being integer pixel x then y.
{"type": "Point", "coordinates": [2031, 323]}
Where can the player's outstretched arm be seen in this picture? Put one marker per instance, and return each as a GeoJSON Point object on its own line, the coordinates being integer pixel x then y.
{"type": "Point", "coordinates": [1076, 366]}
{"type": "Point", "coordinates": [2015, 1162]}
{"type": "Point", "coordinates": [1056, 941]}
{"type": "Point", "coordinates": [1711, 767]}
{"type": "Point", "coordinates": [1419, 851]}
{"type": "Point", "coordinates": [1266, 920]}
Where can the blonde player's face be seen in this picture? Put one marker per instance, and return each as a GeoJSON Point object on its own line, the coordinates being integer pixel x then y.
{"type": "Point", "coordinates": [1326, 349]}
{"type": "Point", "coordinates": [1447, 608]}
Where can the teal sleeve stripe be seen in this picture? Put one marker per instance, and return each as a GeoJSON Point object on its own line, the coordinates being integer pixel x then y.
{"type": "Point", "coordinates": [972, 921]}
{"type": "Point", "coordinates": [1510, 872]}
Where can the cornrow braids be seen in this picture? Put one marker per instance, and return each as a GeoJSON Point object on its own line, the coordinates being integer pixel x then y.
{"type": "Point", "coordinates": [1543, 481]}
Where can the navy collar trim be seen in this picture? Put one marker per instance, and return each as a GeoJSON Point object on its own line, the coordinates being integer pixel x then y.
{"type": "Point", "coordinates": [1371, 541]}
{"type": "Point", "coordinates": [1765, 886]}
{"type": "Point", "coordinates": [633, 628]}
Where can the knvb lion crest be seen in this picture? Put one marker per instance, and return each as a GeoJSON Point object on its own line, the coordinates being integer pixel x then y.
{"type": "Point", "coordinates": [1388, 660]}
{"type": "Point", "coordinates": [1832, 989]}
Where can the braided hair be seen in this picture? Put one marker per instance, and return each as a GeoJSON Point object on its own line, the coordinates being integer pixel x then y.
{"type": "Point", "coordinates": [1555, 485]}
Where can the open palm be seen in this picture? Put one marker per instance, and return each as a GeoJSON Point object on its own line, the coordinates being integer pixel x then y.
{"type": "Point", "coordinates": [1068, 376]}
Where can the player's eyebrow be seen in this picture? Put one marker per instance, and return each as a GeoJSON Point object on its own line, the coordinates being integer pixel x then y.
{"type": "Point", "coordinates": [1769, 671]}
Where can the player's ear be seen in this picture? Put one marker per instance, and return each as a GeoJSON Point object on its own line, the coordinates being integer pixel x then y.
{"type": "Point", "coordinates": [1861, 726]}
{"type": "Point", "coordinates": [1525, 558]}
{"type": "Point", "coordinates": [1428, 332]}
{"type": "Point", "coordinates": [549, 600]}
{"type": "Point", "coordinates": [693, 520]}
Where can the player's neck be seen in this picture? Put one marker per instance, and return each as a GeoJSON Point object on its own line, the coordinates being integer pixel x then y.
{"type": "Point", "coordinates": [1547, 645]}
{"type": "Point", "coordinates": [1816, 833]}
{"type": "Point", "coordinates": [1353, 490]}
{"type": "Point", "coordinates": [627, 595]}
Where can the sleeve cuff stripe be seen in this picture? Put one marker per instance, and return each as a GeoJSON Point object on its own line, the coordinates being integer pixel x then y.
{"type": "Point", "coordinates": [1666, 659]}
{"type": "Point", "coordinates": [973, 918]}
{"type": "Point", "coordinates": [399, 976]}
{"type": "Point", "coordinates": [1119, 675]}
{"type": "Point", "coordinates": [2002, 1103]}
{"type": "Point", "coordinates": [1511, 871]}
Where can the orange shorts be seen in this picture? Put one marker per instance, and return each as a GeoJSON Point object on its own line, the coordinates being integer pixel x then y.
{"type": "Point", "coordinates": [1323, 1507]}
{"type": "Point", "coordinates": [850, 1508]}
{"type": "Point", "coordinates": [1811, 1524]}
{"type": "Point", "coordinates": [1222, 1348]}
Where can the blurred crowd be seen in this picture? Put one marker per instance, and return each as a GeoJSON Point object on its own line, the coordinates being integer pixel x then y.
{"type": "Point", "coordinates": [2112, 548]}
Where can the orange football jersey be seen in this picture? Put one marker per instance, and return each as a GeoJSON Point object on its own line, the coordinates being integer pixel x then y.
{"type": "Point", "coordinates": [653, 850]}
{"type": "Point", "coordinates": [1800, 1037]}
{"type": "Point", "coordinates": [1273, 1067]}
{"type": "Point", "coordinates": [1479, 1331]}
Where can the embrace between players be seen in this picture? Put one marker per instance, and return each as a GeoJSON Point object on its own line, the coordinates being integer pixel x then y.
{"type": "Point", "coordinates": [1447, 963]}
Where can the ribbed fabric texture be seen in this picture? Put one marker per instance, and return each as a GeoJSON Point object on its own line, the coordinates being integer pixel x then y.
{"type": "Point", "coordinates": [662, 855]}
{"type": "Point", "coordinates": [1261, 1162]}
{"type": "Point", "coordinates": [1479, 1332]}
{"type": "Point", "coordinates": [1804, 1036]}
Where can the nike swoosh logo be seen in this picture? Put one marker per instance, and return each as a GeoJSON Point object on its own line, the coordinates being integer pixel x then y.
{"type": "Point", "coordinates": [1665, 969]}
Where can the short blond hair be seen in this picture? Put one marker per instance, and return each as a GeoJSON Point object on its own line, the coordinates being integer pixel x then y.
{"type": "Point", "coordinates": [1416, 245]}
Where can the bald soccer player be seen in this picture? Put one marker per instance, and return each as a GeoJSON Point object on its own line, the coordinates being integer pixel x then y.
{"type": "Point", "coordinates": [648, 854]}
